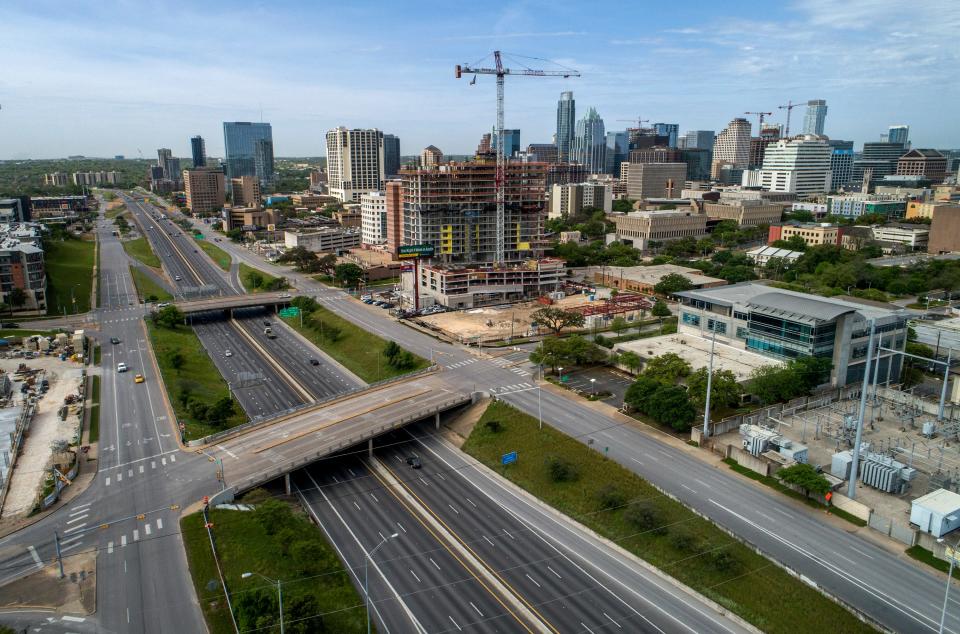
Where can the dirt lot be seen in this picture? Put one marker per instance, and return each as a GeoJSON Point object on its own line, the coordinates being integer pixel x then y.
{"type": "Point", "coordinates": [31, 467]}
{"type": "Point", "coordinates": [696, 351]}
{"type": "Point", "coordinates": [494, 323]}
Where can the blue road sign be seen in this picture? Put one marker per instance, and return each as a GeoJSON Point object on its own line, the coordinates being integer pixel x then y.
{"type": "Point", "coordinates": [509, 458]}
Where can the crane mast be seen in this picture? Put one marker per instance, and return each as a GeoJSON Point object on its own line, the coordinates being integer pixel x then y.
{"type": "Point", "coordinates": [500, 179]}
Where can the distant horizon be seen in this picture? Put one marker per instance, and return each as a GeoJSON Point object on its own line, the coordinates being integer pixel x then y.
{"type": "Point", "coordinates": [114, 78]}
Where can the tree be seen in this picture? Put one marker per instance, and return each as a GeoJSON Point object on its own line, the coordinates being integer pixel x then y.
{"type": "Point", "coordinates": [17, 297]}
{"type": "Point", "coordinates": [169, 316]}
{"type": "Point", "coordinates": [619, 325]}
{"type": "Point", "coordinates": [304, 303]}
{"type": "Point", "coordinates": [327, 263]}
{"type": "Point", "coordinates": [805, 477]}
{"type": "Point", "coordinates": [555, 352]}
{"type": "Point", "coordinates": [667, 368]}
{"type": "Point", "coordinates": [254, 279]}
{"type": "Point", "coordinates": [220, 411]}
{"type": "Point", "coordinates": [235, 235]}
{"type": "Point", "coordinates": [725, 391]}
{"type": "Point", "coordinates": [660, 309]}
{"type": "Point", "coordinates": [311, 556]}
{"type": "Point", "coordinates": [630, 360]}
{"type": "Point", "coordinates": [255, 609]}
{"type": "Point", "coordinates": [624, 205]}
{"type": "Point", "coordinates": [556, 319]}
{"type": "Point", "coordinates": [672, 283]}
{"type": "Point", "coordinates": [670, 405]}
{"type": "Point", "coordinates": [640, 391]}
{"type": "Point", "coordinates": [176, 359]}
{"type": "Point", "coordinates": [348, 274]}
{"type": "Point", "coordinates": [303, 615]}
{"type": "Point", "coordinates": [272, 515]}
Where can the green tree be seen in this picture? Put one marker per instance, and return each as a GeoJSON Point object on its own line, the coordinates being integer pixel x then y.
{"type": "Point", "coordinates": [725, 391]}
{"type": "Point", "coordinates": [670, 405]}
{"type": "Point", "coordinates": [272, 515]}
{"type": "Point", "coordinates": [630, 360]}
{"type": "Point", "coordinates": [255, 609]}
{"type": "Point", "coordinates": [311, 556]}
{"type": "Point", "coordinates": [805, 477]}
{"type": "Point", "coordinates": [168, 317]}
{"type": "Point", "coordinates": [17, 297]}
{"type": "Point", "coordinates": [672, 283]}
{"type": "Point", "coordinates": [304, 303]}
{"type": "Point", "coordinates": [638, 394]}
{"type": "Point", "coordinates": [176, 359]}
{"type": "Point", "coordinates": [235, 235]}
{"type": "Point", "coordinates": [624, 205]}
{"type": "Point", "coordinates": [391, 349]}
{"type": "Point", "coordinates": [221, 410]}
{"type": "Point", "coordinates": [254, 279]}
{"type": "Point", "coordinates": [619, 325]}
{"type": "Point", "coordinates": [556, 319]}
{"type": "Point", "coordinates": [660, 309]}
{"type": "Point", "coordinates": [348, 274]}
{"type": "Point", "coordinates": [667, 368]}
{"type": "Point", "coordinates": [327, 263]}
{"type": "Point", "coordinates": [303, 615]}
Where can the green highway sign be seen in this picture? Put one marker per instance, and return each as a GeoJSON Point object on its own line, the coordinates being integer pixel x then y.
{"type": "Point", "coordinates": [416, 251]}
{"type": "Point", "coordinates": [293, 311]}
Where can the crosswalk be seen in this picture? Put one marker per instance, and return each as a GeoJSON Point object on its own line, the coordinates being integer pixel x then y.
{"type": "Point", "coordinates": [73, 534]}
{"type": "Point", "coordinates": [117, 475]}
{"type": "Point", "coordinates": [460, 364]}
{"type": "Point", "coordinates": [517, 387]}
{"type": "Point", "coordinates": [144, 530]}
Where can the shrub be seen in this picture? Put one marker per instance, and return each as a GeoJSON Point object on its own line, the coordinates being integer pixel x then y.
{"type": "Point", "coordinates": [561, 469]}
{"type": "Point", "coordinates": [723, 561]}
{"type": "Point", "coordinates": [493, 426]}
{"type": "Point", "coordinates": [610, 497]}
{"type": "Point", "coordinates": [683, 540]}
{"type": "Point", "coordinates": [643, 515]}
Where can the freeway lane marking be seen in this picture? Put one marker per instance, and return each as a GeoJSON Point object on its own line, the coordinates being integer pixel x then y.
{"type": "Point", "coordinates": [860, 552]}
{"type": "Point", "coordinates": [415, 576]}
{"type": "Point", "coordinates": [554, 572]}
{"type": "Point", "coordinates": [586, 628]}
{"type": "Point", "coordinates": [434, 563]}
{"type": "Point", "coordinates": [533, 580]}
{"type": "Point", "coordinates": [612, 621]}
{"type": "Point", "coordinates": [228, 452]}
{"type": "Point", "coordinates": [159, 523]}
{"type": "Point", "coordinates": [36, 557]}
{"type": "Point", "coordinates": [455, 623]}
{"type": "Point", "coordinates": [688, 488]}
{"type": "Point", "coordinates": [476, 608]}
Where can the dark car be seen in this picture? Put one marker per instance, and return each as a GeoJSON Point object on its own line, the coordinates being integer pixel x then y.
{"type": "Point", "coordinates": [314, 362]}
{"type": "Point", "coordinates": [414, 461]}
{"type": "Point", "coordinates": [10, 324]}
{"type": "Point", "coordinates": [114, 340]}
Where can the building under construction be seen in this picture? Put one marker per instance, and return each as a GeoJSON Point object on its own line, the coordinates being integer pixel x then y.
{"type": "Point", "coordinates": [453, 207]}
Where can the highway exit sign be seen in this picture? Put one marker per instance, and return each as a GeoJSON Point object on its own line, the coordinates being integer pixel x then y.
{"type": "Point", "coordinates": [293, 311]}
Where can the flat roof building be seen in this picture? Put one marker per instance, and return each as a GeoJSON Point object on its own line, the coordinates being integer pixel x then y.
{"type": "Point", "coordinates": [246, 191]}
{"type": "Point", "coordinates": [928, 163]}
{"type": "Point", "coordinates": [566, 201]}
{"type": "Point", "coordinates": [642, 279]}
{"type": "Point", "coordinates": [486, 285]}
{"type": "Point", "coordinates": [323, 240]}
{"type": "Point", "coordinates": [641, 228]}
{"type": "Point", "coordinates": [746, 213]}
{"type": "Point", "coordinates": [354, 162]}
{"type": "Point", "coordinates": [655, 180]}
{"type": "Point", "coordinates": [812, 233]}
{"type": "Point", "coordinates": [204, 187]}
{"type": "Point", "coordinates": [373, 218]}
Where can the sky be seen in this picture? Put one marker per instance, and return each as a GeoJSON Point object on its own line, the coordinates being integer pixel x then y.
{"type": "Point", "coordinates": [123, 77]}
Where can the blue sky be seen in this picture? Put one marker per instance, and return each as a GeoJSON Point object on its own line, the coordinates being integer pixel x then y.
{"type": "Point", "coordinates": [109, 77]}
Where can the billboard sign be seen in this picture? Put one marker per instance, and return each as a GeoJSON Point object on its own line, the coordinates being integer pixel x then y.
{"type": "Point", "coordinates": [416, 251]}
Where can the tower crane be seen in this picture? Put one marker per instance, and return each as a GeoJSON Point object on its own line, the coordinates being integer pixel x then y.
{"type": "Point", "coordinates": [638, 120]}
{"type": "Point", "coordinates": [760, 116]}
{"type": "Point", "coordinates": [500, 183]}
{"type": "Point", "coordinates": [789, 108]}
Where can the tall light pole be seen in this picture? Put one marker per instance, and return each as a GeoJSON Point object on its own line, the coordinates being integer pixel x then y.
{"type": "Point", "coordinates": [366, 587]}
{"type": "Point", "coordinates": [247, 575]}
{"type": "Point", "coordinates": [946, 594]}
{"type": "Point", "coordinates": [706, 407]}
{"type": "Point", "coordinates": [855, 463]}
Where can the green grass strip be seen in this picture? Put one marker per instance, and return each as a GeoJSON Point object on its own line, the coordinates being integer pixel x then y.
{"type": "Point", "coordinates": [147, 288]}
{"type": "Point", "coordinates": [218, 255]}
{"type": "Point", "coordinates": [94, 435]}
{"type": "Point", "coordinates": [139, 249]}
{"type": "Point", "coordinates": [69, 267]}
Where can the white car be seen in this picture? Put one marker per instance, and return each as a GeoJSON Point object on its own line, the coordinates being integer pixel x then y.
{"type": "Point", "coordinates": [121, 367]}
{"type": "Point", "coordinates": [227, 353]}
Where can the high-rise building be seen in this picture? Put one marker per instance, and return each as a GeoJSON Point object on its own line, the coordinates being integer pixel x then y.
{"type": "Point", "coordinates": [204, 187]}
{"type": "Point", "coordinates": [373, 218]}
{"type": "Point", "coordinates": [566, 118]}
{"type": "Point", "coordinates": [246, 191]}
{"type": "Point", "coordinates": [199, 150]}
{"type": "Point", "coordinates": [249, 151]}
{"type": "Point", "coordinates": [486, 145]}
{"type": "Point", "coordinates": [394, 211]}
{"type": "Point", "coordinates": [800, 166]}
{"type": "Point", "coordinates": [899, 134]}
{"type": "Point", "coordinates": [669, 130]}
{"type": "Point", "coordinates": [880, 159]}
{"type": "Point", "coordinates": [511, 143]}
{"type": "Point", "coordinates": [699, 139]}
{"type": "Point", "coordinates": [391, 155]}
{"type": "Point", "coordinates": [164, 155]}
{"type": "Point", "coordinates": [354, 162]}
{"type": "Point", "coordinates": [589, 143]}
{"type": "Point", "coordinates": [618, 150]}
{"type": "Point", "coordinates": [431, 156]}
{"type": "Point", "coordinates": [542, 152]}
{"type": "Point", "coordinates": [813, 119]}
{"type": "Point", "coordinates": [841, 164]}
{"type": "Point", "coordinates": [732, 146]}
{"type": "Point", "coordinates": [566, 201]}
{"type": "Point", "coordinates": [655, 180]}
{"type": "Point", "coordinates": [698, 162]}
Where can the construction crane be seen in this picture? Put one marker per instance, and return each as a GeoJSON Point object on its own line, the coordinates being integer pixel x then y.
{"type": "Point", "coordinates": [500, 182]}
{"type": "Point", "coordinates": [789, 108]}
{"type": "Point", "coordinates": [760, 116]}
{"type": "Point", "coordinates": [638, 120]}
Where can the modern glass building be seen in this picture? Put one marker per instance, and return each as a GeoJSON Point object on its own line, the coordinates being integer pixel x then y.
{"type": "Point", "coordinates": [566, 118]}
{"type": "Point", "coordinates": [589, 143]}
{"type": "Point", "coordinates": [815, 116]}
{"type": "Point", "coordinates": [785, 325]}
{"type": "Point", "coordinates": [700, 139]}
{"type": "Point", "coordinates": [669, 130]}
{"type": "Point", "coordinates": [391, 155]}
{"type": "Point", "coordinates": [618, 151]}
{"type": "Point", "coordinates": [199, 150]}
{"type": "Point", "coordinates": [511, 141]}
{"type": "Point", "coordinates": [899, 134]}
{"type": "Point", "coordinates": [249, 151]}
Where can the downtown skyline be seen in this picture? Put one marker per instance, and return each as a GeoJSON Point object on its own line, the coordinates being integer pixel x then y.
{"type": "Point", "coordinates": [143, 78]}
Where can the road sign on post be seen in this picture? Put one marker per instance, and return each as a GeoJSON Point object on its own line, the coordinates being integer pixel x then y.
{"type": "Point", "coordinates": [293, 311]}
{"type": "Point", "coordinates": [509, 458]}
{"type": "Point", "coordinates": [415, 251]}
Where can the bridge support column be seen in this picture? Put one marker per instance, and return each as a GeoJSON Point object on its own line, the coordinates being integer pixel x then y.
{"type": "Point", "coordinates": [370, 447]}
{"type": "Point", "coordinates": [437, 420]}
{"type": "Point", "coordinates": [286, 483]}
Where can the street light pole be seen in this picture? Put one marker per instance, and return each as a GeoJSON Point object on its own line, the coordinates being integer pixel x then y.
{"type": "Point", "coordinates": [946, 594]}
{"type": "Point", "coordinates": [366, 587]}
{"type": "Point", "coordinates": [247, 575]}
{"type": "Point", "coordinates": [706, 408]}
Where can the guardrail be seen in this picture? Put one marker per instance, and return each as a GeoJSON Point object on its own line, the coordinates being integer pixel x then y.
{"type": "Point", "coordinates": [250, 482]}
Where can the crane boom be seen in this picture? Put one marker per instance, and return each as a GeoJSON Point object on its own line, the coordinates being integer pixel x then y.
{"type": "Point", "coordinates": [500, 182]}
{"type": "Point", "coordinates": [789, 108]}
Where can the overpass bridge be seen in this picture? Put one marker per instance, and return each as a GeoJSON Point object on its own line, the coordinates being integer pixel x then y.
{"type": "Point", "coordinates": [274, 449]}
{"type": "Point", "coordinates": [229, 302]}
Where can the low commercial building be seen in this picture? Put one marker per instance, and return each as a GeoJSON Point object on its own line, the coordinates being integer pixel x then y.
{"type": "Point", "coordinates": [17, 209]}
{"type": "Point", "coordinates": [373, 218]}
{"type": "Point", "coordinates": [813, 233]}
{"type": "Point", "coordinates": [205, 189]}
{"type": "Point", "coordinates": [312, 201]}
{"type": "Point", "coordinates": [44, 207]}
{"type": "Point", "coordinates": [856, 205]}
{"type": "Point", "coordinates": [785, 325]}
{"type": "Point", "coordinates": [819, 210]}
{"type": "Point", "coordinates": [642, 279]}
{"type": "Point", "coordinates": [324, 240]}
{"type": "Point", "coordinates": [913, 237]}
{"type": "Point", "coordinates": [248, 218]}
{"type": "Point", "coordinates": [376, 264]}
{"type": "Point", "coordinates": [349, 216]}
{"type": "Point", "coordinates": [928, 163]}
{"type": "Point", "coordinates": [762, 255]}
{"type": "Point", "coordinates": [917, 209]}
{"type": "Point", "coordinates": [568, 200]}
{"type": "Point", "coordinates": [486, 285]}
{"type": "Point", "coordinates": [936, 513]}
{"type": "Point", "coordinates": [746, 213]}
{"type": "Point", "coordinates": [640, 228]}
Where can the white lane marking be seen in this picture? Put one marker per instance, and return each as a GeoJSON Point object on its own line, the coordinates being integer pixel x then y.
{"type": "Point", "coordinates": [415, 576]}
{"type": "Point", "coordinates": [159, 523]}
{"type": "Point", "coordinates": [687, 488]}
{"type": "Point", "coordinates": [375, 499]}
{"type": "Point", "coordinates": [859, 552]}
{"type": "Point", "coordinates": [136, 535]}
{"type": "Point", "coordinates": [73, 619]}
{"type": "Point", "coordinates": [765, 516]}
{"type": "Point", "coordinates": [586, 628]}
{"type": "Point", "coordinates": [533, 580]}
{"type": "Point", "coordinates": [130, 473]}
{"type": "Point", "coordinates": [123, 543]}
{"type": "Point", "coordinates": [701, 483]}
{"type": "Point", "coordinates": [352, 473]}
{"type": "Point", "coordinates": [554, 572]}
{"type": "Point", "coordinates": [434, 563]}
{"type": "Point", "coordinates": [401, 527]}
{"type": "Point", "coordinates": [440, 475]}
{"type": "Point", "coordinates": [153, 464]}
{"type": "Point", "coordinates": [119, 476]}
{"type": "Point", "coordinates": [612, 621]}
{"type": "Point", "coordinates": [356, 505]}
{"type": "Point", "coordinates": [424, 481]}
{"type": "Point", "coordinates": [226, 451]}
{"type": "Point", "coordinates": [453, 509]}
{"type": "Point", "coordinates": [71, 546]}
{"type": "Point", "coordinates": [637, 461]}
{"type": "Point", "coordinates": [141, 468]}
{"type": "Point", "coordinates": [163, 461]}
{"type": "Point", "coordinates": [508, 534]}
{"type": "Point", "coordinates": [146, 528]}
{"type": "Point", "coordinates": [36, 557]}
{"type": "Point", "coordinates": [108, 481]}
{"type": "Point", "coordinates": [455, 623]}
{"type": "Point", "coordinates": [488, 540]}
{"type": "Point", "coordinates": [476, 608]}
{"type": "Point", "coordinates": [472, 503]}
{"type": "Point", "coordinates": [173, 458]}
{"type": "Point", "coordinates": [109, 548]}
{"type": "Point", "coordinates": [80, 508]}
{"type": "Point", "coordinates": [77, 519]}
{"type": "Point", "coordinates": [74, 528]}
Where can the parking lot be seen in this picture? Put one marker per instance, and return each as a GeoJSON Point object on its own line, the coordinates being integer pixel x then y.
{"type": "Point", "coordinates": [604, 380]}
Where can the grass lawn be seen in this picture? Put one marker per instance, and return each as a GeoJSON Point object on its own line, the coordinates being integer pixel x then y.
{"type": "Point", "coordinates": [244, 545]}
{"type": "Point", "coordinates": [218, 255]}
{"type": "Point", "coordinates": [922, 554]}
{"type": "Point", "coordinates": [95, 411]}
{"type": "Point", "coordinates": [146, 287]}
{"type": "Point", "coordinates": [197, 376]}
{"type": "Point", "coordinates": [113, 212]}
{"type": "Point", "coordinates": [623, 507]}
{"type": "Point", "coordinates": [359, 351]}
{"type": "Point", "coordinates": [69, 263]}
{"type": "Point", "coordinates": [268, 280]}
{"type": "Point", "coordinates": [140, 249]}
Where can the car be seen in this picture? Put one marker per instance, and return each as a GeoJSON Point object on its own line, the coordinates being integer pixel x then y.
{"type": "Point", "coordinates": [138, 378]}
{"type": "Point", "coordinates": [177, 278]}
{"type": "Point", "coordinates": [314, 362]}
{"type": "Point", "coordinates": [368, 301]}
{"type": "Point", "coordinates": [10, 324]}
{"type": "Point", "coordinates": [163, 304]}
{"type": "Point", "coordinates": [414, 461]}
{"type": "Point", "coordinates": [386, 305]}
{"type": "Point", "coordinates": [285, 295]}
{"type": "Point", "coordinates": [364, 298]}
{"type": "Point", "coordinates": [227, 353]}
{"type": "Point", "coordinates": [121, 367]}
{"type": "Point", "coordinates": [114, 340]}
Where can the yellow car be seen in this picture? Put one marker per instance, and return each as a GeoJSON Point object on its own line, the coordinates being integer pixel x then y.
{"type": "Point", "coordinates": [138, 378]}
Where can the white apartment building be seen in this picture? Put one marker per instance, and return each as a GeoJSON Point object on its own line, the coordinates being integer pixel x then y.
{"type": "Point", "coordinates": [798, 166]}
{"type": "Point", "coordinates": [568, 200]}
{"type": "Point", "coordinates": [733, 144]}
{"type": "Point", "coordinates": [354, 163]}
{"type": "Point", "coordinates": [373, 218]}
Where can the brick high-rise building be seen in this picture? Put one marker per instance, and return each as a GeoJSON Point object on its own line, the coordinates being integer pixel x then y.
{"type": "Point", "coordinates": [246, 191]}
{"type": "Point", "coordinates": [394, 196]}
{"type": "Point", "coordinates": [205, 189]}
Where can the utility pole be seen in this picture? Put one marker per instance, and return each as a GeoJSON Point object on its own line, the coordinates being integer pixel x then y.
{"type": "Point", "coordinates": [706, 409]}
{"type": "Point", "coordinates": [56, 541]}
{"type": "Point", "coordinates": [852, 487]}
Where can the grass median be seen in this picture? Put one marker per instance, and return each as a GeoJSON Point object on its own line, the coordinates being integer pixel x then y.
{"type": "Point", "coordinates": [623, 507]}
{"type": "Point", "coordinates": [358, 350]}
{"type": "Point", "coordinates": [218, 255]}
{"type": "Point", "coordinates": [280, 544]}
{"type": "Point", "coordinates": [256, 281]}
{"type": "Point", "coordinates": [69, 265]}
{"type": "Point", "coordinates": [190, 376]}
{"type": "Point", "coordinates": [139, 249]}
{"type": "Point", "coordinates": [94, 434]}
{"type": "Point", "coordinates": [147, 288]}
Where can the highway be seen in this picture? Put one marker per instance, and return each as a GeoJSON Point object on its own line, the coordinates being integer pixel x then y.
{"type": "Point", "coordinates": [892, 590]}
